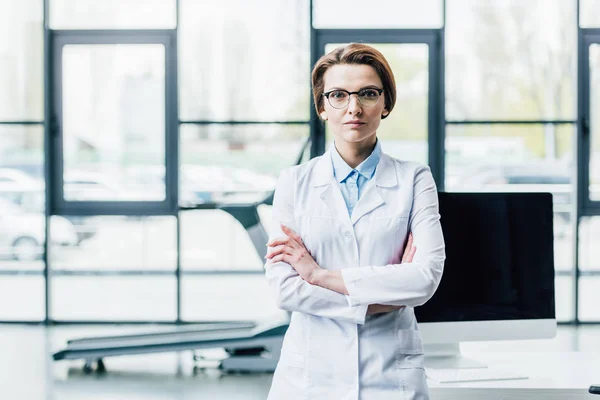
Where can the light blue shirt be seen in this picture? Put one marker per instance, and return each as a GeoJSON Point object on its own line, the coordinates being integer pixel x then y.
{"type": "Point", "coordinates": [353, 181]}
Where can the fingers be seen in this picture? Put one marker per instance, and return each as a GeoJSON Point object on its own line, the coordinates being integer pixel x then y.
{"type": "Point", "coordinates": [281, 257]}
{"type": "Point", "coordinates": [411, 254]}
{"type": "Point", "coordinates": [292, 234]}
{"type": "Point", "coordinates": [409, 250]}
{"type": "Point", "coordinates": [289, 239]}
{"type": "Point", "coordinates": [278, 241]}
{"type": "Point", "coordinates": [275, 250]}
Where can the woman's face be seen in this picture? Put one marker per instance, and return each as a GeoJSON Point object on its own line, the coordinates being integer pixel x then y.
{"type": "Point", "coordinates": [354, 123]}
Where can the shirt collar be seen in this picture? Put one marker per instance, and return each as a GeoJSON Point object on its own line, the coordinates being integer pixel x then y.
{"type": "Point", "coordinates": [341, 170]}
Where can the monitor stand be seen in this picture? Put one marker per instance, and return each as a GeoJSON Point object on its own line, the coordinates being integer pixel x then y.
{"type": "Point", "coordinates": [447, 356]}
{"type": "Point", "coordinates": [444, 364]}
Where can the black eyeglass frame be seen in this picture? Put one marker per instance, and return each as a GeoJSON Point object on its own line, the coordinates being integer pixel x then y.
{"type": "Point", "coordinates": [326, 95]}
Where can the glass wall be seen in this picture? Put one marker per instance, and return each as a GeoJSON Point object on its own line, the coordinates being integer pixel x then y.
{"type": "Point", "coordinates": [22, 191]}
{"type": "Point", "coordinates": [244, 98]}
{"type": "Point", "coordinates": [112, 14]}
{"type": "Point", "coordinates": [510, 108]}
{"type": "Point", "coordinates": [510, 60]}
{"type": "Point", "coordinates": [244, 61]}
{"type": "Point", "coordinates": [242, 106]}
{"type": "Point", "coordinates": [377, 14]}
{"type": "Point", "coordinates": [589, 17]}
{"type": "Point", "coordinates": [21, 61]}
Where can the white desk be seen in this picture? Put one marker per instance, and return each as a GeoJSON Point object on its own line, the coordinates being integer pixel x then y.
{"type": "Point", "coordinates": [552, 376]}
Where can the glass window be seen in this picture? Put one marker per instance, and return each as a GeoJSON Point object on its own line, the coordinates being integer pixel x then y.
{"type": "Point", "coordinates": [589, 298]}
{"type": "Point", "coordinates": [113, 121]}
{"type": "Point", "coordinates": [22, 197]}
{"type": "Point", "coordinates": [564, 298]}
{"type": "Point", "coordinates": [235, 163]}
{"type": "Point", "coordinates": [21, 60]}
{"type": "Point", "coordinates": [589, 234]}
{"type": "Point", "coordinates": [232, 297]}
{"type": "Point", "coordinates": [358, 14]}
{"type": "Point", "coordinates": [97, 298]}
{"type": "Point", "coordinates": [517, 158]}
{"type": "Point", "coordinates": [112, 14]}
{"type": "Point", "coordinates": [114, 243]}
{"type": "Point", "coordinates": [404, 133]}
{"type": "Point", "coordinates": [22, 298]}
{"type": "Point", "coordinates": [480, 155]}
{"type": "Point", "coordinates": [510, 59]}
{"type": "Point", "coordinates": [244, 60]}
{"type": "Point", "coordinates": [589, 13]}
{"type": "Point", "coordinates": [22, 234]}
{"type": "Point", "coordinates": [214, 240]}
{"type": "Point", "coordinates": [594, 115]}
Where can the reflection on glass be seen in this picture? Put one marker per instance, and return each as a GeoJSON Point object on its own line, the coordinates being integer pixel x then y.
{"type": "Point", "coordinates": [113, 121]}
{"type": "Point", "coordinates": [22, 298]}
{"type": "Point", "coordinates": [404, 133]}
{"type": "Point", "coordinates": [244, 60]}
{"type": "Point", "coordinates": [517, 158]}
{"type": "Point", "coordinates": [21, 60]}
{"type": "Point", "coordinates": [117, 243]}
{"type": "Point", "coordinates": [22, 237]}
{"type": "Point", "coordinates": [214, 240]}
{"type": "Point", "coordinates": [594, 115]}
{"type": "Point", "coordinates": [358, 14]}
{"type": "Point", "coordinates": [123, 298]}
{"type": "Point", "coordinates": [510, 59]}
{"type": "Point", "coordinates": [589, 298]}
{"type": "Point", "coordinates": [22, 197]}
{"type": "Point", "coordinates": [235, 163]}
{"type": "Point", "coordinates": [112, 14]}
{"type": "Point", "coordinates": [223, 298]}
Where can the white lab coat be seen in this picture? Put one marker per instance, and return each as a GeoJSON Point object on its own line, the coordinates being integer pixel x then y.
{"type": "Point", "coordinates": [332, 350]}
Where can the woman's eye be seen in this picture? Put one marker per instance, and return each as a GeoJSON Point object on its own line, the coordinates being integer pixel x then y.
{"type": "Point", "coordinates": [338, 95]}
{"type": "Point", "coordinates": [368, 93]}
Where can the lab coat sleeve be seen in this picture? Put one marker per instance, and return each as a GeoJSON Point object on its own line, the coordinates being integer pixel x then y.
{"type": "Point", "coordinates": [408, 284]}
{"type": "Point", "coordinates": [292, 293]}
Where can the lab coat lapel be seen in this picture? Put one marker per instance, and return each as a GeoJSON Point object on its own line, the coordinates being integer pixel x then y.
{"type": "Point", "coordinates": [322, 179]}
{"type": "Point", "coordinates": [369, 200]}
{"type": "Point", "coordinates": [372, 198]}
{"type": "Point", "coordinates": [332, 196]}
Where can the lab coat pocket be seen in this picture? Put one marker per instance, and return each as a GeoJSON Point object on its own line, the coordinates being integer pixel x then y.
{"type": "Point", "coordinates": [409, 352]}
{"type": "Point", "coordinates": [290, 379]}
{"type": "Point", "coordinates": [384, 237]}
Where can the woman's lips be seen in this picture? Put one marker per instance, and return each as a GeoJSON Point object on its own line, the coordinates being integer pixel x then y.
{"type": "Point", "coordinates": [354, 124]}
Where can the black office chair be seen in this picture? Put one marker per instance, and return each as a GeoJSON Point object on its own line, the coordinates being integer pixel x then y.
{"type": "Point", "coordinates": [595, 389]}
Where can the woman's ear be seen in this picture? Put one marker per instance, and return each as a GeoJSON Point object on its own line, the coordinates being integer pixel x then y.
{"type": "Point", "coordinates": [323, 115]}
{"type": "Point", "coordinates": [385, 113]}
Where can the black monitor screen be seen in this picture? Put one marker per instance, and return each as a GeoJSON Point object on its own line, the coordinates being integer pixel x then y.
{"type": "Point", "coordinates": [499, 258]}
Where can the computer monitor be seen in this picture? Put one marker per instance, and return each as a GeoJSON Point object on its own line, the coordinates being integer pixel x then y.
{"type": "Point", "coordinates": [498, 280]}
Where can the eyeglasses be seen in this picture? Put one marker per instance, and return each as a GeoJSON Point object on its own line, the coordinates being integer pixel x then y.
{"type": "Point", "coordinates": [341, 98]}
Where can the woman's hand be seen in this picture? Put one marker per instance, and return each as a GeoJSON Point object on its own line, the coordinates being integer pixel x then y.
{"type": "Point", "coordinates": [291, 250]}
{"type": "Point", "coordinates": [407, 257]}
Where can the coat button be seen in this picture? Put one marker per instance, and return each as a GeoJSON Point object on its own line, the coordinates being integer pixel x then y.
{"type": "Point", "coordinates": [348, 235]}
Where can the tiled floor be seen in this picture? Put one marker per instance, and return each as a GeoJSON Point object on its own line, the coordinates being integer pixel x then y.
{"type": "Point", "coordinates": [27, 371]}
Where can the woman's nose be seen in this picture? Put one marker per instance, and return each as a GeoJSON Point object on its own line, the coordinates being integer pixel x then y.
{"type": "Point", "coordinates": [354, 106]}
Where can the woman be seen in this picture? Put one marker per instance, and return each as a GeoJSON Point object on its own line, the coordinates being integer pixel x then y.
{"type": "Point", "coordinates": [335, 256]}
